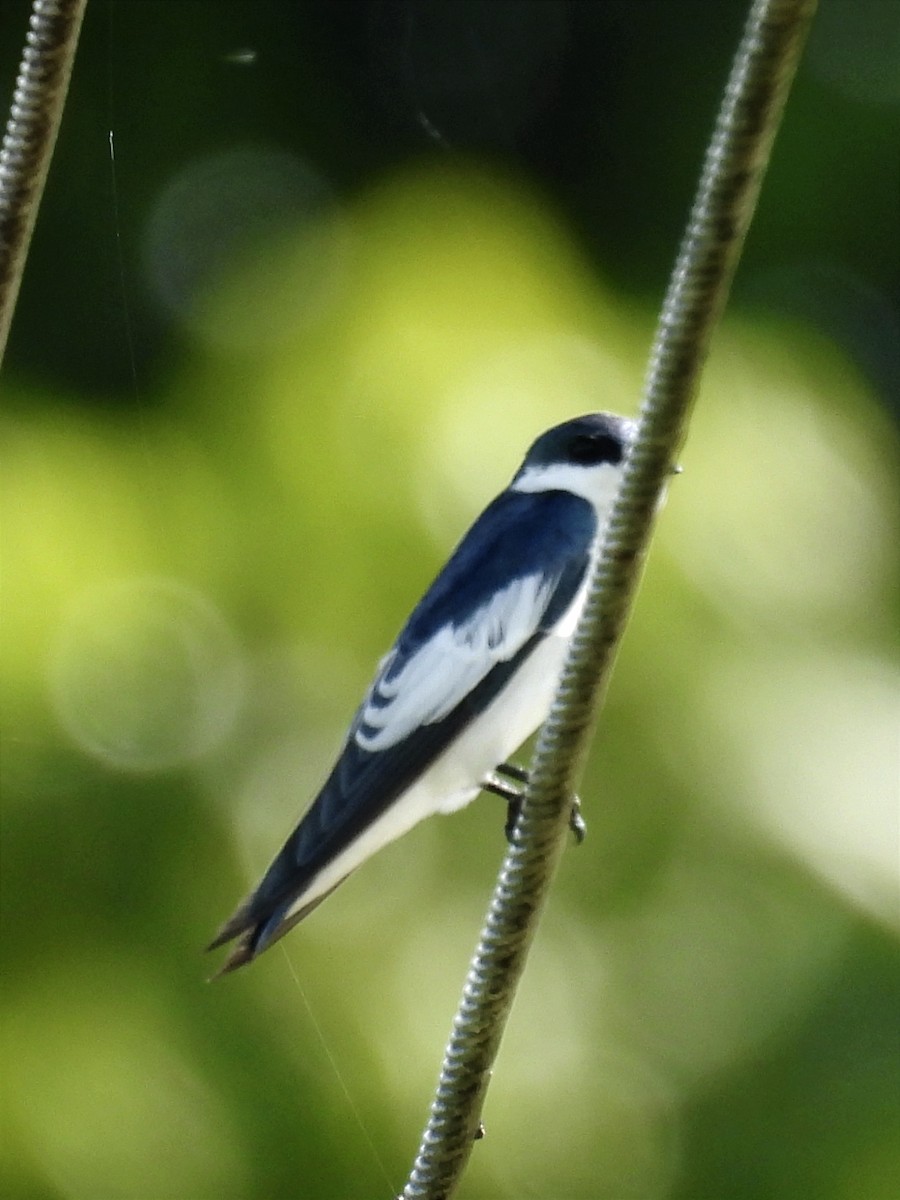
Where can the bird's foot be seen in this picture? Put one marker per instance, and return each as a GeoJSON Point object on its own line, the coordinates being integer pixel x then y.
{"type": "Point", "coordinates": [577, 823]}
{"type": "Point", "coordinates": [513, 794]}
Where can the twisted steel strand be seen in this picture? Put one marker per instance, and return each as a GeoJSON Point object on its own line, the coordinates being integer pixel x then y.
{"type": "Point", "coordinates": [31, 129]}
{"type": "Point", "coordinates": [735, 162]}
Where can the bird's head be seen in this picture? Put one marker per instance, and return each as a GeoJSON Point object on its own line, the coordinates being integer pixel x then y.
{"type": "Point", "coordinates": [584, 456]}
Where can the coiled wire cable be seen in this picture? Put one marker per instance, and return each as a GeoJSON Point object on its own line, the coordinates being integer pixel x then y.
{"type": "Point", "coordinates": [735, 162]}
{"type": "Point", "coordinates": [34, 117]}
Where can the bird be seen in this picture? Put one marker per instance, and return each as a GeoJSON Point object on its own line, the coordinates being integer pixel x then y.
{"type": "Point", "coordinates": [469, 678]}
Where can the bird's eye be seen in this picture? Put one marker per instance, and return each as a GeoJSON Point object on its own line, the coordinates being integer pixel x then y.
{"type": "Point", "coordinates": [595, 448]}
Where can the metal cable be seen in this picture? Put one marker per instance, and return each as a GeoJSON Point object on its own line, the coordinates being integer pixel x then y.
{"type": "Point", "coordinates": [28, 142]}
{"type": "Point", "coordinates": [735, 162]}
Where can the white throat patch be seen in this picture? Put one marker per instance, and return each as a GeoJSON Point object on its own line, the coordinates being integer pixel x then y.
{"type": "Point", "coordinates": [597, 484]}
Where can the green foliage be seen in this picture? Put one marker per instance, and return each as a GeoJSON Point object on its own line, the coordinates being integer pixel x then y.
{"type": "Point", "coordinates": [196, 589]}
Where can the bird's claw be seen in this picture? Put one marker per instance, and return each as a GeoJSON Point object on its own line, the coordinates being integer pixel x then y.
{"type": "Point", "coordinates": [513, 796]}
{"type": "Point", "coordinates": [577, 822]}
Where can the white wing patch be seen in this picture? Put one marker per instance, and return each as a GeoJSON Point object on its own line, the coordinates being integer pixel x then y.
{"type": "Point", "coordinates": [447, 667]}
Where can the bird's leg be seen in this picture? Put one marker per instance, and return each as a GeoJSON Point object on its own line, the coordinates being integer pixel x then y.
{"type": "Point", "coordinates": [514, 772]}
{"type": "Point", "coordinates": [513, 797]}
{"type": "Point", "coordinates": [511, 794]}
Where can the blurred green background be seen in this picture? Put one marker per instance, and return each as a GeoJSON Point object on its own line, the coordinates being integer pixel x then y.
{"type": "Point", "coordinates": [307, 280]}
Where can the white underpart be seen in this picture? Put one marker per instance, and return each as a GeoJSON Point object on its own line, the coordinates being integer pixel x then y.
{"type": "Point", "coordinates": [440, 674]}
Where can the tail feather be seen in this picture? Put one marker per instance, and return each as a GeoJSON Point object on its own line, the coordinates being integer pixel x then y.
{"type": "Point", "coordinates": [258, 928]}
{"type": "Point", "coordinates": [239, 923]}
{"type": "Point", "coordinates": [241, 953]}
{"type": "Point", "coordinates": [290, 888]}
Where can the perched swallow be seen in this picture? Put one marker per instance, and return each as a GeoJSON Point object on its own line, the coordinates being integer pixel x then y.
{"type": "Point", "coordinates": [470, 677]}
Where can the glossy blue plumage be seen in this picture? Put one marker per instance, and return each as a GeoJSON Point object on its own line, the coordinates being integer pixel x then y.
{"type": "Point", "coordinates": [518, 534]}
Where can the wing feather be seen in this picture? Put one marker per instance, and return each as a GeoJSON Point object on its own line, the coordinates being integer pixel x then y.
{"type": "Point", "coordinates": [428, 685]}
